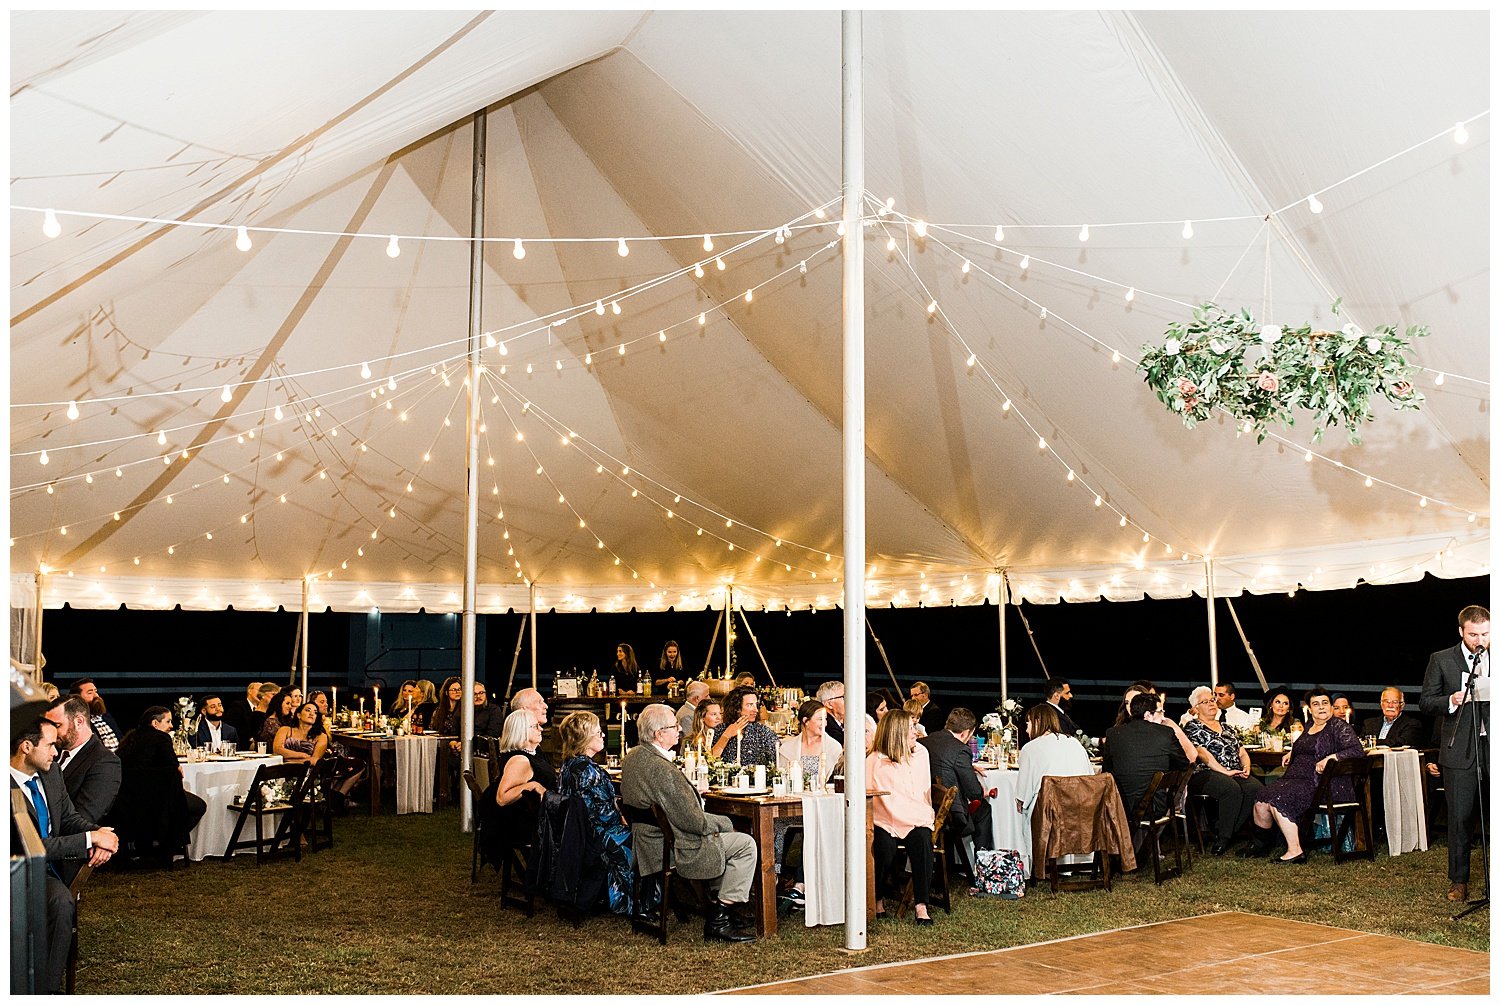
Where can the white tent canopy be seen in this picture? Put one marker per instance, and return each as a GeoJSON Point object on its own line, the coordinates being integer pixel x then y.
{"type": "Point", "coordinates": [708, 453]}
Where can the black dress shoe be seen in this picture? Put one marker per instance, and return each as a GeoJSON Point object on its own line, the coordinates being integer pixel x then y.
{"type": "Point", "coordinates": [719, 926]}
{"type": "Point", "coordinates": [1298, 860]}
{"type": "Point", "coordinates": [1254, 850]}
{"type": "Point", "coordinates": [1220, 847]}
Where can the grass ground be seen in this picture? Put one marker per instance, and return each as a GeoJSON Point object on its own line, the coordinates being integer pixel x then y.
{"type": "Point", "coordinates": [389, 909]}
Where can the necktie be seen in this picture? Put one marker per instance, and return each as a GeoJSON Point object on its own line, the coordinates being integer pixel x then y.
{"type": "Point", "coordinates": [43, 818]}
{"type": "Point", "coordinates": [62, 759]}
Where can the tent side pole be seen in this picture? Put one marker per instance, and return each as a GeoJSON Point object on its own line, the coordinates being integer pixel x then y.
{"type": "Point", "coordinates": [471, 479]}
{"type": "Point", "coordinates": [302, 629]}
{"type": "Point", "coordinates": [1004, 652]}
{"type": "Point", "coordinates": [855, 922]}
{"type": "Point", "coordinates": [36, 651]}
{"type": "Point", "coordinates": [1213, 627]}
{"type": "Point", "coordinates": [531, 618]}
{"type": "Point", "coordinates": [728, 627]}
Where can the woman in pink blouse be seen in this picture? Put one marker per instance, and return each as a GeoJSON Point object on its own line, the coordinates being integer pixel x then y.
{"type": "Point", "coordinates": [899, 767]}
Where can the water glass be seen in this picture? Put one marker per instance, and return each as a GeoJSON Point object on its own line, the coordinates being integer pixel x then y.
{"type": "Point", "coordinates": [260, 746]}
{"type": "Point", "coordinates": [612, 760]}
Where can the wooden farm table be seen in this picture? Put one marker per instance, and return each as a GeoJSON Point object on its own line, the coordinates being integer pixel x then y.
{"type": "Point", "coordinates": [375, 749]}
{"type": "Point", "coordinates": [756, 816]}
{"type": "Point", "coordinates": [1414, 824]}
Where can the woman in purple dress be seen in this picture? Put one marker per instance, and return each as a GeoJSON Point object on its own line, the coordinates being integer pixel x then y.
{"type": "Point", "coordinates": [1283, 802]}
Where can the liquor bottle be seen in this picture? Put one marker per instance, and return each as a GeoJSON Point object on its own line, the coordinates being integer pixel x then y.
{"type": "Point", "coordinates": [612, 685]}
{"type": "Point", "coordinates": [646, 685]}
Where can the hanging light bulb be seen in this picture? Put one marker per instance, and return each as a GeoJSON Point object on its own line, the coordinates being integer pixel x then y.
{"type": "Point", "coordinates": [749, 296]}
{"type": "Point", "coordinates": [698, 270]}
{"type": "Point", "coordinates": [890, 244]}
{"type": "Point", "coordinates": [1114, 357]}
{"type": "Point", "coordinates": [52, 228]}
{"type": "Point", "coordinates": [504, 349]}
{"type": "Point", "coordinates": [119, 473]}
{"type": "Point", "coordinates": [1098, 501]}
{"type": "Point", "coordinates": [622, 348]}
{"type": "Point", "coordinates": [708, 243]}
{"type": "Point", "coordinates": [1460, 136]}
{"type": "Point", "coordinates": [279, 414]}
{"type": "Point", "coordinates": [971, 360]}
{"type": "Point", "coordinates": [719, 264]}
{"type": "Point", "coordinates": [1314, 204]}
{"type": "Point", "coordinates": [1005, 405]}
{"type": "Point", "coordinates": [1083, 232]}
{"type": "Point", "coordinates": [780, 235]}
{"type": "Point", "coordinates": [1043, 314]}
{"type": "Point", "coordinates": [393, 248]}
{"type": "Point", "coordinates": [1422, 502]}
{"type": "Point", "coordinates": [1041, 443]}
{"type": "Point", "coordinates": [588, 359]}
{"type": "Point", "coordinates": [932, 307]}
{"type": "Point", "coordinates": [966, 267]}
{"type": "Point", "coordinates": [45, 460]}
{"type": "Point", "coordinates": [920, 227]}
{"type": "Point", "coordinates": [518, 250]}
{"type": "Point", "coordinates": [1438, 380]}
{"type": "Point", "coordinates": [242, 239]}
{"type": "Point", "coordinates": [226, 395]}
{"type": "Point", "coordinates": [622, 249]}
{"type": "Point", "coordinates": [1308, 457]}
{"type": "Point", "coordinates": [840, 228]}
{"type": "Point", "coordinates": [161, 438]}
{"type": "Point", "coordinates": [702, 319]}
{"type": "Point", "coordinates": [599, 307]}
{"type": "Point", "coordinates": [1187, 229]}
{"type": "Point", "coordinates": [1025, 262]}
{"type": "Point", "coordinates": [364, 370]}
{"type": "Point", "coordinates": [999, 233]}
{"type": "Point", "coordinates": [1369, 481]}
{"type": "Point", "coordinates": [614, 306]}
{"type": "Point", "coordinates": [661, 336]}
{"type": "Point", "coordinates": [1130, 295]}
{"type": "Point", "coordinates": [802, 268]}
{"type": "Point", "coordinates": [390, 382]}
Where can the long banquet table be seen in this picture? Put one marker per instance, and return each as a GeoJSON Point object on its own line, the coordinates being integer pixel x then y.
{"type": "Point", "coordinates": [416, 791]}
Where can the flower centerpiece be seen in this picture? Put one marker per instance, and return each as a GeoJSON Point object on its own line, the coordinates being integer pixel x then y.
{"type": "Point", "coordinates": [182, 713]}
{"type": "Point", "coordinates": [1260, 373]}
{"type": "Point", "coordinates": [1090, 743]}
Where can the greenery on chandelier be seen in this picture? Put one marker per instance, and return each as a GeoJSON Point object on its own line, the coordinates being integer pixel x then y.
{"type": "Point", "coordinates": [1260, 374]}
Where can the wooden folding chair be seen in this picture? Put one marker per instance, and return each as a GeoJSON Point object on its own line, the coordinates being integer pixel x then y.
{"type": "Point", "coordinates": [76, 889]}
{"type": "Point", "coordinates": [939, 895]}
{"type": "Point", "coordinates": [1345, 815]}
{"type": "Point", "coordinates": [479, 860]}
{"type": "Point", "coordinates": [254, 804]}
{"type": "Point", "coordinates": [668, 872]}
{"type": "Point", "coordinates": [318, 805]}
{"type": "Point", "coordinates": [1152, 826]}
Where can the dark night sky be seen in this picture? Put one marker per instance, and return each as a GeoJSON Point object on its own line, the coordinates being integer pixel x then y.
{"type": "Point", "coordinates": [1356, 639]}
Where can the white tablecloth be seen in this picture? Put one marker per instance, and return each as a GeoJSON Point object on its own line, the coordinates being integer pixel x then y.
{"type": "Point", "coordinates": [1009, 828]}
{"type": "Point", "coordinates": [823, 859]}
{"type": "Point", "coordinates": [1405, 823]}
{"type": "Point", "coordinates": [416, 768]}
{"type": "Point", "coordinates": [217, 783]}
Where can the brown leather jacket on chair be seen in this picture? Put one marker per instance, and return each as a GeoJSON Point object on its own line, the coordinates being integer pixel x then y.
{"type": "Point", "coordinates": [1078, 816]}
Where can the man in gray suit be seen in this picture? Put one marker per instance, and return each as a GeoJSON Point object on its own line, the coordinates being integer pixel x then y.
{"type": "Point", "coordinates": [707, 846]}
{"type": "Point", "coordinates": [89, 771]}
{"type": "Point", "coordinates": [1445, 697]}
{"type": "Point", "coordinates": [65, 834]}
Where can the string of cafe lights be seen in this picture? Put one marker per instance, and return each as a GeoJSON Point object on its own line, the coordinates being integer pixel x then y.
{"type": "Point", "coordinates": [974, 363]}
{"type": "Point", "coordinates": [598, 456]}
{"type": "Point", "coordinates": [1116, 355]}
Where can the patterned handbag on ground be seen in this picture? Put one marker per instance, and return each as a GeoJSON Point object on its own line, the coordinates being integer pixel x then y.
{"type": "Point", "coordinates": [1000, 873]}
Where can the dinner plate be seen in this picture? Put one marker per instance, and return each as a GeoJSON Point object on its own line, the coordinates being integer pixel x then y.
{"type": "Point", "coordinates": [221, 757]}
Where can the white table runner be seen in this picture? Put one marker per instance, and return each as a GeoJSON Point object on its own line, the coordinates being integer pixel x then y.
{"type": "Point", "coordinates": [823, 859]}
{"type": "Point", "coordinates": [1405, 823]}
{"type": "Point", "coordinates": [416, 767]}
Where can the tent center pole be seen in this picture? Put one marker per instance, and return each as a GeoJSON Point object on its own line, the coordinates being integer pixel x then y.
{"type": "Point", "coordinates": [855, 922]}
{"type": "Point", "coordinates": [471, 474]}
{"type": "Point", "coordinates": [302, 654]}
{"type": "Point", "coordinates": [531, 617]}
{"type": "Point", "coordinates": [1213, 627]}
{"type": "Point", "coordinates": [1004, 597]}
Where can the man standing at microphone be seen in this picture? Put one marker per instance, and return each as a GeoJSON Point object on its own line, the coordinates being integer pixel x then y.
{"type": "Point", "coordinates": [1445, 693]}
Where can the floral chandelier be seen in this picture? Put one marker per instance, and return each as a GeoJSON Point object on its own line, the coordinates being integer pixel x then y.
{"type": "Point", "coordinates": [1261, 373]}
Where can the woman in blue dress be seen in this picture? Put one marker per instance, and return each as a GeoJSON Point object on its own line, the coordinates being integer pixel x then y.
{"type": "Point", "coordinates": [580, 775]}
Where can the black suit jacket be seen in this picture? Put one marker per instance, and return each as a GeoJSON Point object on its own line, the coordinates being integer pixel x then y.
{"type": "Point", "coordinates": [1446, 673]}
{"type": "Point", "coordinates": [933, 718]}
{"type": "Point", "coordinates": [952, 765]}
{"type": "Point", "coordinates": [228, 732]}
{"type": "Point", "coordinates": [67, 846]}
{"type": "Point", "coordinates": [92, 778]}
{"type": "Point", "coordinates": [1406, 731]}
{"type": "Point", "coordinates": [1066, 724]}
{"type": "Point", "coordinates": [1134, 751]}
{"type": "Point", "coordinates": [488, 719]}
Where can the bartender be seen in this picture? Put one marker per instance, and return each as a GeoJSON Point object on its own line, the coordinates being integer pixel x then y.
{"type": "Point", "coordinates": [669, 669]}
{"type": "Point", "coordinates": [626, 671]}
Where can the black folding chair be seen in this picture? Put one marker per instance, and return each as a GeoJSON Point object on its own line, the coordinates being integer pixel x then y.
{"type": "Point", "coordinates": [254, 804]}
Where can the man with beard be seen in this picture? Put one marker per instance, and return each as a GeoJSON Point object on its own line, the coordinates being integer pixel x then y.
{"type": "Point", "coordinates": [102, 723]}
{"type": "Point", "coordinates": [488, 718]}
{"type": "Point", "coordinates": [90, 772]}
{"type": "Point", "coordinates": [1057, 692]}
{"type": "Point", "coordinates": [211, 725]}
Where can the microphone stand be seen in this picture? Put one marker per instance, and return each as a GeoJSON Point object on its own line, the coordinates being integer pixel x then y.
{"type": "Point", "coordinates": [1483, 900]}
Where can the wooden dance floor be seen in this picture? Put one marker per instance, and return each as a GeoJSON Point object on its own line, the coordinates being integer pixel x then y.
{"type": "Point", "coordinates": [1237, 953]}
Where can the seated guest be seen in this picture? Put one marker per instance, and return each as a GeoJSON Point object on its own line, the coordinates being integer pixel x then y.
{"type": "Point", "coordinates": [580, 775]}
{"type": "Point", "coordinates": [49, 690]}
{"type": "Point", "coordinates": [1057, 692]}
{"type": "Point", "coordinates": [532, 701]}
{"type": "Point", "coordinates": [697, 693]}
{"type": "Point", "coordinates": [1279, 713]}
{"type": "Point", "coordinates": [877, 704]}
{"type": "Point", "coordinates": [899, 766]}
{"type": "Point", "coordinates": [914, 708]}
{"type": "Point", "coordinates": [742, 738]}
{"type": "Point", "coordinates": [100, 721]}
{"type": "Point", "coordinates": [1049, 751]}
{"type": "Point", "coordinates": [1229, 713]}
{"type": "Point", "coordinates": [1142, 745]}
{"type": "Point", "coordinates": [707, 717]}
{"type": "Point", "coordinates": [1122, 714]}
{"type": "Point", "coordinates": [744, 678]}
{"type": "Point", "coordinates": [831, 694]}
{"type": "Point", "coordinates": [255, 720]}
{"type": "Point", "coordinates": [90, 772]}
{"type": "Point", "coordinates": [1283, 802]}
{"type": "Point", "coordinates": [1222, 771]}
{"type": "Point", "coordinates": [953, 767]}
{"type": "Point", "coordinates": [414, 702]}
{"type": "Point", "coordinates": [68, 837]}
{"type": "Point", "coordinates": [237, 712]}
{"type": "Point", "coordinates": [815, 754]}
{"type": "Point", "coordinates": [447, 717]}
{"type": "Point", "coordinates": [281, 711]}
{"type": "Point", "coordinates": [489, 718]}
{"type": "Point", "coordinates": [1393, 727]}
{"type": "Point", "coordinates": [212, 729]}
{"type": "Point", "coordinates": [319, 697]}
{"type": "Point", "coordinates": [152, 805]}
{"type": "Point", "coordinates": [305, 741]}
{"type": "Point", "coordinates": [507, 812]}
{"type": "Point", "coordinates": [1342, 708]}
{"type": "Point", "coordinates": [707, 846]}
{"type": "Point", "coordinates": [427, 692]}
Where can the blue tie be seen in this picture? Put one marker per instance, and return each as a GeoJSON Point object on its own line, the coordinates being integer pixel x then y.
{"type": "Point", "coordinates": [43, 818]}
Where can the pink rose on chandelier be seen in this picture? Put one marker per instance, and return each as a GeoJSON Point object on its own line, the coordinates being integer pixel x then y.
{"type": "Point", "coordinates": [1186, 387]}
{"type": "Point", "coordinates": [1402, 389]}
{"type": "Point", "coordinates": [1267, 381]}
